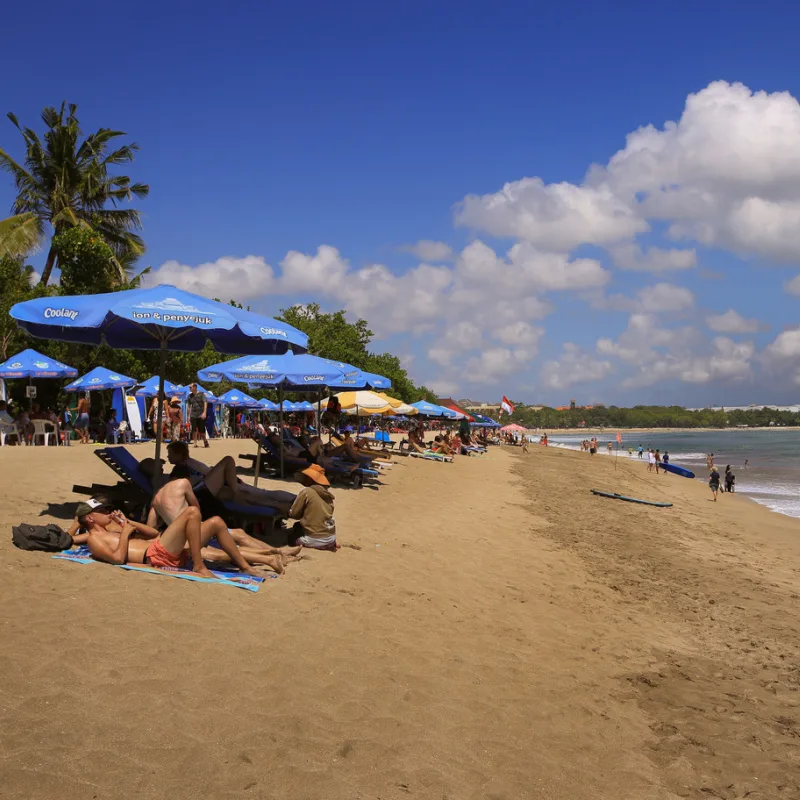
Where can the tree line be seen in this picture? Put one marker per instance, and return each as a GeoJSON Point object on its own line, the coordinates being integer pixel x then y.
{"type": "Point", "coordinates": [648, 417]}
{"type": "Point", "coordinates": [70, 201]}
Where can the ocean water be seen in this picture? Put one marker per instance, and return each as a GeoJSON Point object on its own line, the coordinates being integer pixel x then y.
{"type": "Point", "coordinates": [772, 475]}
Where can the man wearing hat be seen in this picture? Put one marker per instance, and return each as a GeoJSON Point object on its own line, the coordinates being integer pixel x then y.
{"type": "Point", "coordinates": [313, 510]}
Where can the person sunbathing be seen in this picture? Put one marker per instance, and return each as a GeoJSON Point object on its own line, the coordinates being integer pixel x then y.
{"type": "Point", "coordinates": [222, 481]}
{"type": "Point", "coordinates": [348, 451]}
{"type": "Point", "coordinates": [117, 540]}
{"type": "Point", "coordinates": [440, 447]}
{"type": "Point", "coordinates": [321, 456]}
{"type": "Point", "coordinates": [313, 510]}
{"type": "Point", "coordinates": [174, 497]}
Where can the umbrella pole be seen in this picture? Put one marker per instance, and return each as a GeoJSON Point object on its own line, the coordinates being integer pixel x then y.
{"type": "Point", "coordinates": [280, 422]}
{"type": "Point", "coordinates": [30, 399]}
{"type": "Point", "coordinates": [258, 458]}
{"type": "Point", "coordinates": [162, 365]}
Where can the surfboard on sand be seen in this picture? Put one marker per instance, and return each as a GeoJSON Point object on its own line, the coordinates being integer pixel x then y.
{"type": "Point", "coordinates": [686, 473]}
{"type": "Point", "coordinates": [616, 496]}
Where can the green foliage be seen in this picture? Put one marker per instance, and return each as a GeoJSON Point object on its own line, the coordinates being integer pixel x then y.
{"type": "Point", "coordinates": [20, 235]}
{"type": "Point", "coordinates": [65, 180]}
{"type": "Point", "coordinates": [87, 263]}
{"type": "Point", "coordinates": [15, 286]}
{"type": "Point", "coordinates": [648, 417]}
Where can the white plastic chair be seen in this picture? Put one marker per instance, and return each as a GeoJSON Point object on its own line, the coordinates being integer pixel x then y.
{"type": "Point", "coordinates": [40, 429]}
{"type": "Point", "coordinates": [7, 431]}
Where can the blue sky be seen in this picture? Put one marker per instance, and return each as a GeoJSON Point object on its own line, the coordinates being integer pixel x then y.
{"type": "Point", "coordinates": [294, 150]}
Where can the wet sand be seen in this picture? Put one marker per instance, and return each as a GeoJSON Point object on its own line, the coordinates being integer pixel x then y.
{"type": "Point", "coordinates": [490, 629]}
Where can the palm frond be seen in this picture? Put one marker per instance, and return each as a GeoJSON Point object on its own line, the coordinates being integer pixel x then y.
{"type": "Point", "coordinates": [20, 235]}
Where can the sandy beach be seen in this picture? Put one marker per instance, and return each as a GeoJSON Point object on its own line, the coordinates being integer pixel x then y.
{"type": "Point", "coordinates": [489, 629]}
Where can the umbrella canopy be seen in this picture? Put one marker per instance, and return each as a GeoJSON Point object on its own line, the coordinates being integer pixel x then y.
{"type": "Point", "coordinates": [158, 318]}
{"type": "Point", "coordinates": [150, 388]}
{"type": "Point", "coordinates": [485, 422]}
{"type": "Point", "coordinates": [236, 399]}
{"type": "Point", "coordinates": [514, 427]}
{"type": "Point", "coordinates": [359, 379]}
{"type": "Point", "coordinates": [267, 405]}
{"type": "Point", "coordinates": [99, 378]}
{"type": "Point", "coordinates": [30, 364]}
{"type": "Point", "coordinates": [364, 403]}
{"type": "Point", "coordinates": [154, 318]}
{"type": "Point", "coordinates": [432, 410]}
{"type": "Point", "coordinates": [289, 370]}
{"type": "Point", "coordinates": [304, 405]}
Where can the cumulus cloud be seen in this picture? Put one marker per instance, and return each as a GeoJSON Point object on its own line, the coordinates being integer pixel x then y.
{"type": "Point", "coordinates": [657, 354]}
{"type": "Point", "coordinates": [665, 297]}
{"type": "Point", "coordinates": [630, 256]}
{"type": "Point", "coordinates": [732, 322]}
{"type": "Point", "coordinates": [727, 174]}
{"type": "Point", "coordinates": [496, 363]}
{"type": "Point", "coordinates": [556, 216]}
{"type": "Point", "coordinates": [574, 366]}
{"type": "Point", "coordinates": [429, 251]}
{"type": "Point", "coordinates": [792, 286]}
{"type": "Point", "coordinates": [227, 277]}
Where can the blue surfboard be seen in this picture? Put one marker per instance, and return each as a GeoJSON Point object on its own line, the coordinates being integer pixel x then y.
{"type": "Point", "coordinates": [615, 496]}
{"type": "Point", "coordinates": [678, 470]}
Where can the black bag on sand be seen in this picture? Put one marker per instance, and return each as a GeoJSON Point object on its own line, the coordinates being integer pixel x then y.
{"type": "Point", "coordinates": [49, 538]}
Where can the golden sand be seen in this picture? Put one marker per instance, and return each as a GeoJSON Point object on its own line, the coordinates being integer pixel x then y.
{"type": "Point", "coordinates": [490, 629]}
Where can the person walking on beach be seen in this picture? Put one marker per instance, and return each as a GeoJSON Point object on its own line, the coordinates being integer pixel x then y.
{"type": "Point", "coordinates": [198, 408]}
{"type": "Point", "coordinates": [710, 461]}
{"type": "Point", "coordinates": [730, 479]}
{"type": "Point", "coordinates": [641, 451]}
{"type": "Point", "coordinates": [713, 482]}
{"type": "Point", "coordinates": [657, 458]}
{"type": "Point", "coordinates": [651, 459]}
{"type": "Point", "coordinates": [82, 420]}
{"type": "Point", "coordinates": [665, 461]}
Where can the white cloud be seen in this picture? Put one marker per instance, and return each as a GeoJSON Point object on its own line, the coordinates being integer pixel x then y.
{"type": "Point", "coordinates": [519, 333]}
{"type": "Point", "coordinates": [785, 346]}
{"type": "Point", "coordinates": [665, 297]}
{"type": "Point", "coordinates": [227, 277]}
{"type": "Point", "coordinates": [732, 322]}
{"type": "Point", "coordinates": [429, 251]}
{"type": "Point", "coordinates": [726, 174]}
{"type": "Point", "coordinates": [496, 363]}
{"type": "Point", "coordinates": [659, 354]}
{"type": "Point", "coordinates": [574, 366]}
{"type": "Point", "coordinates": [792, 286]}
{"type": "Point", "coordinates": [556, 217]}
{"type": "Point", "coordinates": [630, 256]}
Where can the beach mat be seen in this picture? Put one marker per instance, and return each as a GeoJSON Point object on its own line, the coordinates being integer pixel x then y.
{"type": "Point", "coordinates": [81, 555]}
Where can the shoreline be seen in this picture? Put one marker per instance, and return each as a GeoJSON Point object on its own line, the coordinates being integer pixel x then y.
{"type": "Point", "coordinates": [571, 431]}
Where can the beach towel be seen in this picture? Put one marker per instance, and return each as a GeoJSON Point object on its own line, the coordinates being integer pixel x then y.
{"type": "Point", "coordinates": [229, 577]}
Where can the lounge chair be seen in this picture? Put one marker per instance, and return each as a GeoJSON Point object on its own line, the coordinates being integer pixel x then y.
{"type": "Point", "coordinates": [292, 464]}
{"type": "Point", "coordinates": [135, 489]}
{"type": "Point", "coordinates": [429, 455]}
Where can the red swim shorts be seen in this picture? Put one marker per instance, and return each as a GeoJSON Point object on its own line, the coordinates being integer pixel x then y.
{"type": "Point", "coordinates": [157, 556]}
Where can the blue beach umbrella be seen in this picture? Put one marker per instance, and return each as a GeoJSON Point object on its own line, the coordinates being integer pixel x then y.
{"type": "Point", "coordinates": [149, 388]}
{"type": "Point", "coordinates": [236, 399]}
{"type": "Point", "coordinates": [304, 405]}
{"type": "Point", "coordinates": [288, 371]}
{"type": "Point", "coordinates": [100, 378]}
{"type": "Point", "coordinates": [158, 318]}
{"type": "Point", "coordinates": [30, 364]}
{"type": "Point", "coordinates": [432, 410]}
{"type": "Point", "coordinates": [267, 405]}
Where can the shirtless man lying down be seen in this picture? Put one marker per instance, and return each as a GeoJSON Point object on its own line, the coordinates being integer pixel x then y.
{"type": "Point", "coordinates": [174, 497]}
{"type": "Point", "coordinates": [116, 540]}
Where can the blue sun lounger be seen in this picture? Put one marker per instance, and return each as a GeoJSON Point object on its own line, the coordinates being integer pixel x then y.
{"type": "Point", "coordinates": [126, 466]}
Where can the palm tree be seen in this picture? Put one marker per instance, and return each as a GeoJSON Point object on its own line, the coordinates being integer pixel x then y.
{"type": "Point", "coordinates": [20, 235]}
{"type": "Point", "coordinates": [66, 182]}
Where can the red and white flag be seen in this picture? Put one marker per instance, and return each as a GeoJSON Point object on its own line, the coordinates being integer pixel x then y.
{"type": "Point", "coordinates": [506, 406]}
{"type": "Point", "coordinates": [619, 437]}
